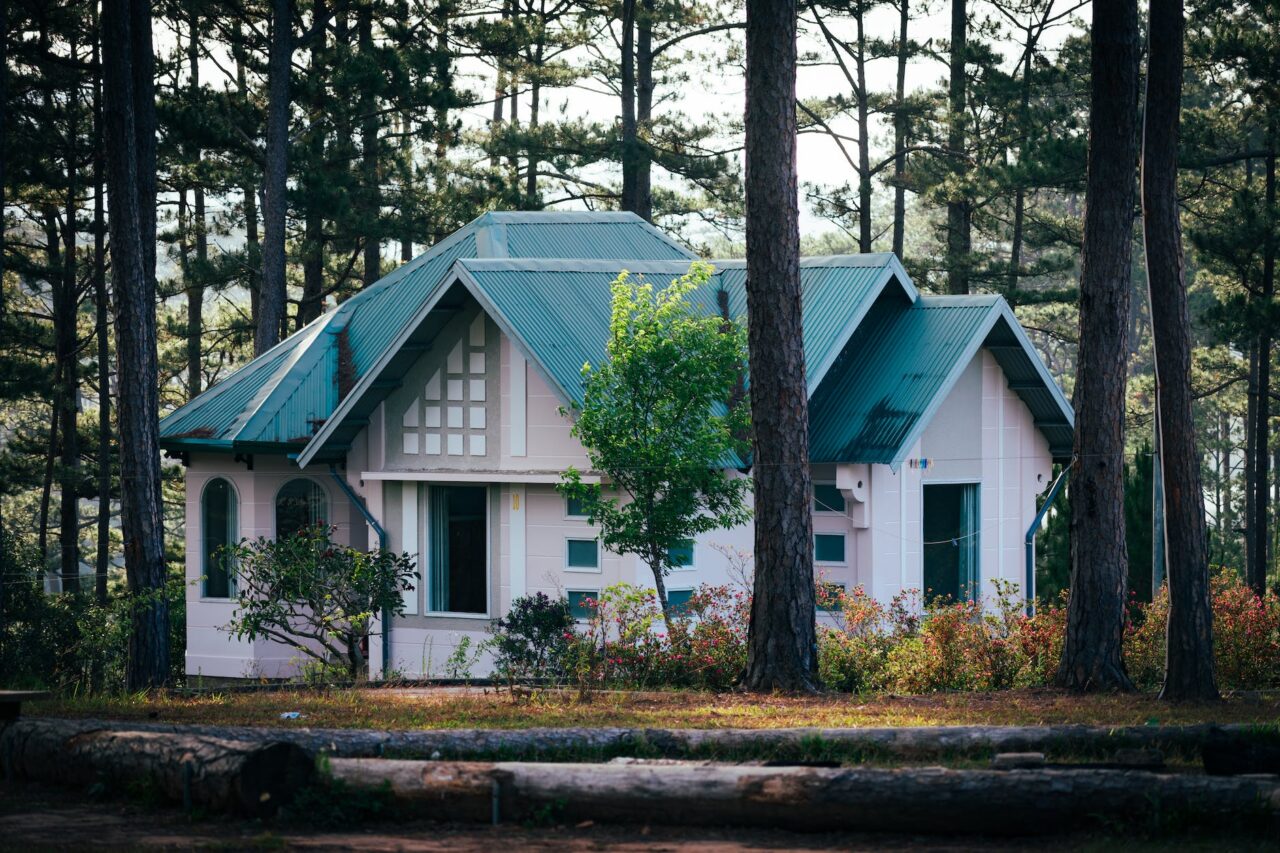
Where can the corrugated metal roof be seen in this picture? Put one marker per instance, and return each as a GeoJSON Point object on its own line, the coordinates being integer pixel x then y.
{"type": "Point", "coordinates": [281, 398]}
{"type": "Point", "coordinates": [901, 364]}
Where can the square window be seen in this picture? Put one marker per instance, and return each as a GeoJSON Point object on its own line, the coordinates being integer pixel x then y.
{"type": "Point", "coordinates": [829, 598]}
{"type": "Point", "coordinates": [574, 508]}
{"type": "Point", "coordinates": [477, 362]}
{"type": "Point", "coordinates": [454, 443]}
{"type": "Point", "coordinates": [578, 603]}
{"type": "Point", "coordinates": [583, 554]}
{"type": "Point", "coordinates": [432, 417]}
{"type": "Point", "coordinates": [477, 390]}
{"type": "Point", "coordinates": [828, 547]}
{"type": "Point", "coordinates": [477, 416]}
{"type": "Point", "coordinates": [454, 389]}
{"type": "Point", "coordinates": [477, 445]}
{"type": "Point", "coordinates": [678, 599]}
{"type": "Point", "coordinates": [454, 419]}
{"type": "Point", "coordinates": [410, 442]}
{"type": "Point", "coordinates": [827, 498]}
{"type": "Point", "coordinates": [681, 555]}
{"type": "Point", "coordinates": [410, 418]}
{"type": "Point", "coordinates": [432, 441]}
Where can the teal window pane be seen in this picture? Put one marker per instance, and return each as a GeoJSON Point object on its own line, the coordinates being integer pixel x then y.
{"type": "Point", "coordinates": [582, 603]}
{"type": "Point", "coordinates": [576, 508]}
{"type": "Point", "coordinates": [827, 498]}
{"type": "Point", "coordinates": [828, 548]}
{"type": "Point", "coordinates": [678, 599]}
{"type": "Point", "coordinates": [681, 555]}
{"type": "Point", "coordinates": [218, 525]}
{"type": "Point", "coordinates": [583, 554]}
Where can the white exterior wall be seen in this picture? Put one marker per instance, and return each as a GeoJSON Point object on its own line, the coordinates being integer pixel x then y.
{"type": "Point", "coordinates": [981, 433]}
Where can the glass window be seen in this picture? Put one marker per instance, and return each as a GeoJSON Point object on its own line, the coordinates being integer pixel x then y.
{"type": "Point", "coordinates": [459, 550]}
{"type": "Point", "coordinates": [301, 503]}
{"type": "Point", "coordinates": [583, 554]}
{"type": "Point", "coordinates": [681, 555]}
{"type": "Point", "coordinates": [218, 527]}
{"type": "Point", "coordinates": [578, 603]}
{"type": "Point", "coordinates": [575, 508]}
{"type": "Point", "coordinates": [678, 599]}
{"type": "Point", "coordinates": [828, 548]}
{"type": "Point", "coordinates": [827, 498]}
{"type": "Point", "coordinates": [829, 598]}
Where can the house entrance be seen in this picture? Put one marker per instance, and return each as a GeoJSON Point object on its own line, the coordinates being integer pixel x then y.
{"type": "Point", "coordinates": [951, 532]}
{"type": "Point", "coordinates": [459, 550]}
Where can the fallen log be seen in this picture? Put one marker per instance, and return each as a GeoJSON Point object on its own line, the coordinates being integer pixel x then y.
{"type": "Point", "coordinates": [251, 777]}
{"type": "Point", "coordinates": [1230, 753]}
{"type": "Point", "coordinates": [917, 800]}
{"type": "Point", "coordinates": [847, 745]}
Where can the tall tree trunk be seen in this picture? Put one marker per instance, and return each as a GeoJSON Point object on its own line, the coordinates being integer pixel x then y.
{"type": "Point", "coordinates": [627, 68]}
{"type": "Point", "coordinates": [272, 299]}
{"type": "Point", "coordinates": [68, 346]}
{"type": "Point", "coordinates": [195, 279]}
{"type": "Point", "coordinates": [1257, 525]}
{"type": "Point", "coordinates": [1251, 571]}
{"type": "Point", "coordinates": [130, 132]}
{"type": "Point", "coordinates": [249, 190]}
{"type": "Point", "coordinates": [1189, 672]}
{"type": "Point", "coordinates": [781, 643]}
{"type": "Point", "coordinates": [864, 137]}
{"type": "Point", "coordinates": [644, 110]}
{"type": "Point", "coordinates": [1091, 654]}
{"type": "Point", "coordinates": [900, 132]}
{"type": "Point", "coordinates": [959, 212]}
{"type": "Point", "coordinates": [102, 326]}
{"type": "Point", "coordinates": [1020, 195]}
{"type": "Point", "coordinates": [499, 93]}
{"type": "Point", "coordinates": [369, 156]}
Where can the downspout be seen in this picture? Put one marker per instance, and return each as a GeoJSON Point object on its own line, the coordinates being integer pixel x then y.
{"type": "Point", "coordinates": [1031, 538]}
{"type": "Point", "coordinates": [358, 503]}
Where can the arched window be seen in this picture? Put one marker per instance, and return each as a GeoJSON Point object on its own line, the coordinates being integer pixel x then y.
{"type": "Point", "coordinates": [219, 527]}
{"type": "Point", "coordinates": [301, 503]}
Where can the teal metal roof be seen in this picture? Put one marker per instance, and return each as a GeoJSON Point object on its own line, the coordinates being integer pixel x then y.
{"type": "Point", "coordinates": [280, 399]}
{"type": "Point", "coordinates": [900, 365]}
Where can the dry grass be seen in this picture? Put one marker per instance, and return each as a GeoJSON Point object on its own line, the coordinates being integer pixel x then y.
{"type": "Point", "coordinates": [439, 708]}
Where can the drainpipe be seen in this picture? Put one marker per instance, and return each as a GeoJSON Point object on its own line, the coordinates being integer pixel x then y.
{"type": "Point", "coordinates": [358, 503]}
{"type": "Point", "coordinates": [1031, 539]}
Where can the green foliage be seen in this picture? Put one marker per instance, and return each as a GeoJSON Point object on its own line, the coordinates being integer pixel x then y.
{"type": "Point", "coordinates": [658, 423]}
{"type": "Point", "coordinates": [531, 643]}
{"type": "Point", "coordinates": [315, 595]}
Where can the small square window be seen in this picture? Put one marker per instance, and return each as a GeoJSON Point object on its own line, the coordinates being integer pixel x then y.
{"type": "Point", "coordinates": [582, 603]}
{"type": "Point", "coordinates": [575, 508]}
{"type": "Point", "coordinates": [681, 555]}
{"type": "Point", "coordinates": [828, 548]}
{"type": "Point", "coordinates": [678, 599]}
{"type": "Point", "coordinates": [829, 599]}
{"type": "Point", "coordinates": [827, 498]}
{"type": "Point", "coordinates": [583, 554]}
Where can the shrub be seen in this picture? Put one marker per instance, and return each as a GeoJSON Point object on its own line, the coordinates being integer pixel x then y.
{"type": "Point", "coordinates": [531, 643]}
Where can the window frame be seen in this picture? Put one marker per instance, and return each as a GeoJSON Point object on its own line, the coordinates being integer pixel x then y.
{"type": "Point", "coordinates": [831, 512]}
{"type": "Point", "coordinates": [683, 589]}
{"type": "Point", "coordinates": [425, 544]}
{"type": "Point", "coordinates": [594, 570]}
{"type": "Point", "coordinates": [589, 593]}
{"type": "Point", "coordinates": [568, 511]}
{"type": "Point", "coordinates": [692, 565]}
{"type": "Point", "coordinates": [275, 502]}
{"type": "Point", "coordinates": [204, 554]}
{"type": "Point", "coordinates": [844, 550]}
{"type": "Point", "coordinates": [843, 588]}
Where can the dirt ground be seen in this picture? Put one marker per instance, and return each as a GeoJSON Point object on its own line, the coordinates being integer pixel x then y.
{"type": "Point", "coordinates": [38, 818]}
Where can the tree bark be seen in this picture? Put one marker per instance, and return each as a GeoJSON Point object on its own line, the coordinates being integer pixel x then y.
{"type": "Point", "coordinates": [900, 133]}
{"type": "Point", "coordinates": [130, 131]}
{"type": "Point", "coordinates": [959, 210]}
{"type": "Point", "coordinates": [864, 136]}
{"type": "Point", "coordinates": [1256, 526]}
{"type": "Point", "coordinates": [195, 279]}
{"type": "Point", "coordinates": [1189, 670]}
{"type": "Point", "coordinates": [644, 110]}
{"type": "Point", "coordinates": [66, 305]}
{"type": "Point", "coordinates": [782, 642]}
{"type": "Point", "coordinates": [929, 799]}
{"type": "Point", "coordinates": [372, 267]}
{"type": "Point", "coordinates": [1091, 654]}
{"type": "Point", "coordinates": [627, 71]}
{"type": "Point", "coordinates": [272, 299]}
{"type": "Point", "coordinates": [246, 777]}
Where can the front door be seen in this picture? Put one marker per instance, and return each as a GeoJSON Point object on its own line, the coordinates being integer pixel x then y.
{"type": "Point", "coordinates": [951, 528]}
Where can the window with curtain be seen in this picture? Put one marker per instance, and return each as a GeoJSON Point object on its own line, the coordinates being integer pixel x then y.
{"type": "Point", "coordinates": [301, 503]}
{"type": "Point", "coordinates": [218, 525]}
{"type": "Point", "coordinates": [458, 570]}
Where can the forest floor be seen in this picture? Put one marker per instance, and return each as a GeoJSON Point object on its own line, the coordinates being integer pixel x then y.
{"type": "Point", "coordinates": [488, 707]}
{"type": "Point", "coordinates": [36, 818]}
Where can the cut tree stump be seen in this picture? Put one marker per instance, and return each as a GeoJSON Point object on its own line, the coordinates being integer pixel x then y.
{"type": "Point", "coordinates": [254, 777]}
{"type": "Point", "coordinates": [916, 800]}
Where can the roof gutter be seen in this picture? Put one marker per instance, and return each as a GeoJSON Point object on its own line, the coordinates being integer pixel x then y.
{"type": "Point", "coordinates": [358, 503]}
{"type": "Point", "coordinates": [1031, 538]}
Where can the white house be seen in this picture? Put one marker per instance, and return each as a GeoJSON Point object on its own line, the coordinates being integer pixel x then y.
{"type": "Point", "coordinates": [424, 413]}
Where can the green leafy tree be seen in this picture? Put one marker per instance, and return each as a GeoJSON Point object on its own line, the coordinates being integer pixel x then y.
{"type": "Point", "coordinates": [315, 595]}
{"type": "Point", "coordinates": [660, 419]}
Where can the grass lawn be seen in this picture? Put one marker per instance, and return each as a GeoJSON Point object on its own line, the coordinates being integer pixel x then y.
{"type": "Point", "coordinates": [431, 708]}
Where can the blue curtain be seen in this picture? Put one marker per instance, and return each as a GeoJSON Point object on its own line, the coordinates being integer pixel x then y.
{"type": "Point", "coordinates": [970, 545]}
{"type": "Point", "coordinates": [438, 549]}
